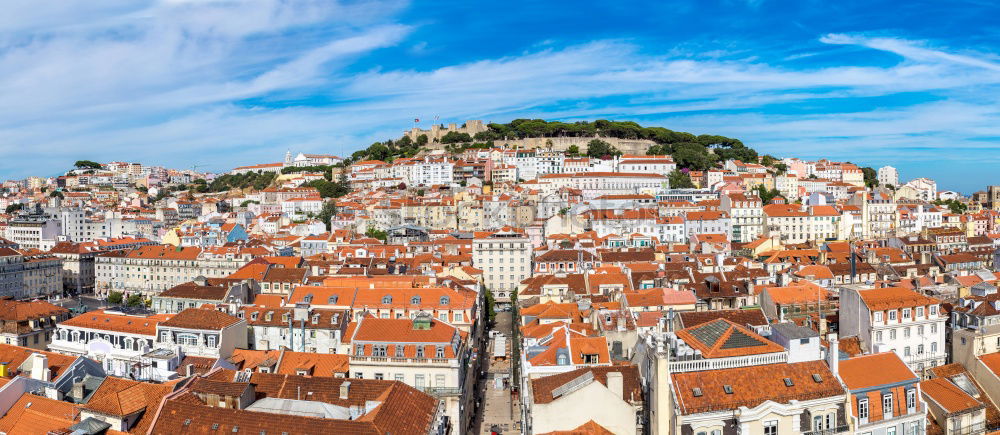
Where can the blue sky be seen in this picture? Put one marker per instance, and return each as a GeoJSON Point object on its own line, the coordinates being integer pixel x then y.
{"type": "Point", "coordinates": [227, 83]}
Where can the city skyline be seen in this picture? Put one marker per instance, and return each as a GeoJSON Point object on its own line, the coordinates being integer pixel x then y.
{"type": "Point", "coordinates": [222, 85]}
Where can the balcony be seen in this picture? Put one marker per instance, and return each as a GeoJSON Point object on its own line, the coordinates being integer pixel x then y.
{"type": "Point", "coordinates": [725, 363]}
{"type": "Point", "coordinates": [830, 431]}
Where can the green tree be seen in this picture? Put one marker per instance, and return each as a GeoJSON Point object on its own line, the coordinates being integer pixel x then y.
{"type": "Point", "coordinates": [329, 211]}
{"type": "Point", "coordinates": [135, 300]}
{"type": "Point", "coordinates": [679, 180]}
{"type": "Point", "coordinates": [87, 164]}
{"type": "Point", "coordinates": [955, 206]}
{"type": "Point", "coordinates": [376, 233]}
{"type": "Point", "coordinates": [490, 306]}
{"type": "Point", "coordinates": [456, 137]}
{"type": "Point", "coordinates": [14, 208]}
{"type": "Point", "coordinates": [573, 150]}
{"type": "Point", "coordinates": [422, 140]}
{"type": "Point", "coordinates": [598, 149]}
{"type": "Point", "coordinates": [764, 194]}
{"type": "Point", "coordinates": [871, 177]}
{"type": "Point", "coordinates": [115, 298]}
{"type": "Point", "coordinates": [56, 194]}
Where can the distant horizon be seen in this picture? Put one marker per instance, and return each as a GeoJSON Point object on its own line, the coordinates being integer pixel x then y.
{"type": "Point", "coordinates": [911, 85]}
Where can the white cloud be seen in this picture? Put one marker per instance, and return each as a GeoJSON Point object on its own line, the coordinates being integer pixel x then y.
{"type": "Point", "coordinates": [165, 82]}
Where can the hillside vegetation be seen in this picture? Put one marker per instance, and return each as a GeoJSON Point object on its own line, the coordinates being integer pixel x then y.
{"type": "Point", "coordinates": [695, 152]}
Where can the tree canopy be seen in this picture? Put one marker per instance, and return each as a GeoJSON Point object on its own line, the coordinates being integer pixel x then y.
{"type": "Point", "coordinates": [597, 148]}
{"type": "Point", "coordinates": [679, 180]}
{"type": "Point", "coordinates": [87, 164]}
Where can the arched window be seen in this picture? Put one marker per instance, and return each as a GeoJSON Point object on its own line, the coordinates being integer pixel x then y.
{"type": "Point", "coordinates": [445, 300]}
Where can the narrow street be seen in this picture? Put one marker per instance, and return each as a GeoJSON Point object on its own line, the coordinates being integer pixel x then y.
{"type": "Point", "coordinates": [499, 411]}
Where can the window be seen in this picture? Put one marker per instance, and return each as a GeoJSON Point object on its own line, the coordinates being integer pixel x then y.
{"type": "Point", "coordinates": [818, 423]}
{"type": "Point", "coordinates": [920, 311]}
{"type": "Point", "coordinates": [398, 377]}
{"type": "Point", "coordinates": [831, 420]}
{"type": "Point", "coordinates": [378, 350]}
{"type": "Point", "coordinates": [439, 381]}
{"type": "Point", "coordinates": [892, 334]}
{"type": "Point", "coordinates": [878, 316]}
{"type": "Point", "coordinates": [891, 430]}
{"type": "Point", "coordinates": [387, 299]}
{"type": "Point", "coordinates": [906, 332]}
{"type": "Point", "coordinates": [418, 381]}
{"type": "Point", "coordinates": [420, 351]}
{"type": "Point", "coordinates": [887, 405]}
{"type": "Point", "coordinates": [933, 310]}
{"type": "Point", "coordinates": [771, 427]}
{"type": "Point", "coordinates": [933, 328]}
{"type": "Point", "coordinates": [399, 351]}
{"type": "Point", "coordinates": [415, 300]}
{"type": "Point", "coordinates": [878, 336]}
{"type": "Point", "coordinates": [378, 376]}
{"type": "Point", "coordinates": [911, 398]}
{"type": "Point", "coordinates": [187, 339]}
{"type": "Point", "coordinates": [906, 313]}
{"type": "Point", "coordinates": [892, 315]}
{"type": "Point", "coordinates": [359, 375]}
{"type": "Point", "coordinates": [934, 347]}
{"type": "Point", "coordinates": [863, 409]}
{"type": "Point", "coordinates": [211, 341]}
{"type": "Point", "coordinates": [359, 349]}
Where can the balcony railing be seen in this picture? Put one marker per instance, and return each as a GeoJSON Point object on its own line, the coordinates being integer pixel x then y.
{"type": "Point", "coordinates": [830, 431]}
{"type": "Point", "coordinates": [725, 363]}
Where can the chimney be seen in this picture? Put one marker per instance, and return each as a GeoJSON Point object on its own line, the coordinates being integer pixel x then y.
{"type": "Point", "coordinates": [77, 391]}
{"type": "Point", "coordinates": [616, 384]}
{"type": "Point", "coordinates": [40, 367]}
{"type": "Point", "coordinates": [833, 357]}
{"type": "Point", "coordinates": [345, 388]}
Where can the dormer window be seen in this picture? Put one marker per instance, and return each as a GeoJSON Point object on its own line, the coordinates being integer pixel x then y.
{"type": "Point", "coordinates": [892, 315]}
{"type": "Point", "coordinates": [315, 319]}
{"type": "Point", "coordinates": [439, 353]}
{"type": "Point", "coordinates": [420, 351]}
{"type": "Point", "coordinates": [415, 300]}
{"type": "Point", "coordinates": [309, 298]}
{"type": "Point", "coordinates": [253, 316]}
{"type": "Point", "coordinates": [400, 351]}
{"type": "Point", "coordinates": [387, 299]}
{"type": "Point", "coordinates": [332, 300]}
{"type": "Point", "coordinates": [445, 300]}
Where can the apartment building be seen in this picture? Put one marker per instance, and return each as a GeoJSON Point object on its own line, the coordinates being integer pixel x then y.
{"type": "Point", "coordinates": [425, 353]}
{"type": "Point", "coordinates": [505, 257]}
{"type": "Point", "coordinates": [884, 395]}
{"type": "Point", "coordinates": [115, 339]}
{"type": "Point", "coordinates": [152, 269]}
{"type": "Point", "coordinates": [896, 319]}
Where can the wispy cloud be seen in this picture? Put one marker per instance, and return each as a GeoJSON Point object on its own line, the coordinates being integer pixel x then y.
{"type": "Point", "coordinates": [226, 83]}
